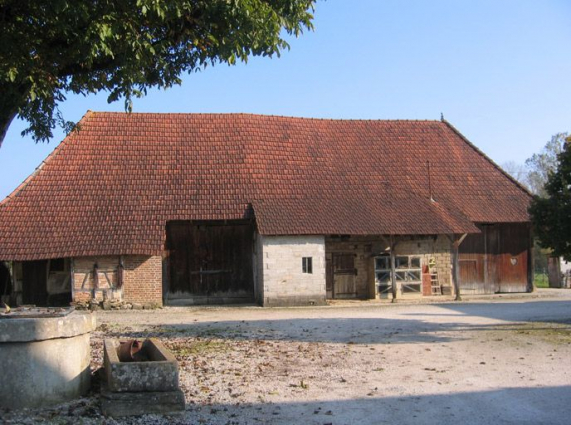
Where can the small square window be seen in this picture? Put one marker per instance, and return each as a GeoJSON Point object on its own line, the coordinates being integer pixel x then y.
{"type": "Point", "coordinates": [307, 264]}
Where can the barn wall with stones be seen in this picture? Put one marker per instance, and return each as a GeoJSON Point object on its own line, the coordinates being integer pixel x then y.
{"type": "Point", "coordinates": [284, 281]}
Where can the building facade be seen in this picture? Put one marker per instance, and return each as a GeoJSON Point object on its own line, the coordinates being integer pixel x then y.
{"type": "Point", "coordinates": [185, 209]}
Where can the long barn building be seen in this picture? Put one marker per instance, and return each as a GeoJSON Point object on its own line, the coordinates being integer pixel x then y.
{"type": "Point", "coordinates": [183, 209]}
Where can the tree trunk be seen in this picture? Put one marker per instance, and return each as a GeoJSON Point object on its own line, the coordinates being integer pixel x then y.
{"type": "Point", "coordinates": [5, 121]}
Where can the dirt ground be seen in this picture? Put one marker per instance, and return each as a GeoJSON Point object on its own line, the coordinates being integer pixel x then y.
{"type": "Point", "coordinates": [504, 361]}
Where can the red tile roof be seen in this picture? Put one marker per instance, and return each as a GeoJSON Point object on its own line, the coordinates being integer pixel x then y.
{"type": "Point", "coordinates": [111, 187]}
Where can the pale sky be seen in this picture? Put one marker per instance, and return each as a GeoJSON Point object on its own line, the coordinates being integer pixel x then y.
{"type": "Point", "coordinates": [499, 71]}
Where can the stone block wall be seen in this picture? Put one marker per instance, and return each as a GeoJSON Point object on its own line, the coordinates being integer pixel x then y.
{"type": "Point", "coordinates": [439, 249]}
{"type": "Point", "coordinates": [284, 282]}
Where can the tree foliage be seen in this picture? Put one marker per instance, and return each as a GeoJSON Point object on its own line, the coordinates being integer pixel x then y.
{"type": "Point", "coordinates": [551, 214]}
{"type": "Point", "coordinates": [541, 165]}
{"type": "Point", "coordinates": [51, 48]}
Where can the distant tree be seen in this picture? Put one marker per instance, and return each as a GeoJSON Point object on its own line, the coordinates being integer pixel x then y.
{"type": "Point", "coordinates": [551, 214]}
{"type": "Point", "coordinates": [51, 48]}
{"type": "Point", "coordinates": [517, 171]}
{"type": "Point", "coordinates": [542, 164]}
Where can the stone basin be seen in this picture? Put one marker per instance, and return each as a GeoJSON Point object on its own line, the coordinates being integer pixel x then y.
{"type": "Point", "coordinates": [141, 387]}
{"type": "Point", "coordinates": [44, 358]}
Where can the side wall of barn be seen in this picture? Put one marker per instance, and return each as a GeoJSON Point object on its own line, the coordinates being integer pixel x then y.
{"type": "Point", "coordinates": [293, 270]}
{"type": "Point", "coordinates": [434, 253]}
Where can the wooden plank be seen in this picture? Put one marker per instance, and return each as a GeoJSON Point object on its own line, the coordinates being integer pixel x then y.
{"type": "Point", "coordinates": [344, 285]}
{"type": "Point", "coordinates": [210, 261]}
{"type": "Point", "coordinates": [512, 260]}
{"type": "Point", "coordinates": [496, 260]}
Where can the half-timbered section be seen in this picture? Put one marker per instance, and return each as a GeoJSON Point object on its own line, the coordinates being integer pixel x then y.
{"type": "Point", "coordinates": [184, 209]}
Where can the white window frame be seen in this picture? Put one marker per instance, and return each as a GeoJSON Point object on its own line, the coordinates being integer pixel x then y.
{"type": "Point", "coordinates": [408, 274]}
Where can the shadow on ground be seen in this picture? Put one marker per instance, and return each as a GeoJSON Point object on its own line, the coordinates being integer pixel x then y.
{"type": "Point", "coordinates": [530, 311]}
{"type": "Point", "coordinates": [336, 331]}
{"type": "Point", "coordinates": [522, 406]}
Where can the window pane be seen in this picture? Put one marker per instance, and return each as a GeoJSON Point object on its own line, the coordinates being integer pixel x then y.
{"type": "Point", "coordinates": [402, 262]}
{"type": "Point", "coordinates": [410, 288]}
{"type": "Point", "coordinates": [383, 277]}
{"type": "Point", "coordinates": [400, 276]}
{"type": "Point", "coordinates": [382, 263]}
{"type": "Point", "coordinates": [383, 289]}
{"type": "Point", "coordinates": [307, 264]}
{"type": "Point", "coordinates": [415, 262]}
{"type": "Point", "coordinates": [413, 275]}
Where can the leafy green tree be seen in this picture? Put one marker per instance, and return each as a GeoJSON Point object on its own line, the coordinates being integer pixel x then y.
{"type": "Point", "coordinates": [51, 48]}
{"type": "Point", "coordinates": [551, 214]}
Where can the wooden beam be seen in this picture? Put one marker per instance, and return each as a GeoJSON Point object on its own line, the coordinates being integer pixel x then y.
{"type": "Point", "coordinates": [456, 240]}
{"type": "Point", "coordinates": [393, 243]}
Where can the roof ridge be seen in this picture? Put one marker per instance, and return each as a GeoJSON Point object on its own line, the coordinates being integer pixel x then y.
{"type": "Point", "coordinates": [253, 114]}
{"type": "Point", "coordinates": [487, 158]}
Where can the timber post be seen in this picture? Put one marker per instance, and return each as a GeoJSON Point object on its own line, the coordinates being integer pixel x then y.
{"type": "Point", "coordinates": [393, 244]}
{"type": "Point", "coordinates": [456, 263]}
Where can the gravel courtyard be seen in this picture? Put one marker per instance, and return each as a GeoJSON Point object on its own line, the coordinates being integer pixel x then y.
{"type": "Point", "coordinates": [502, 361]}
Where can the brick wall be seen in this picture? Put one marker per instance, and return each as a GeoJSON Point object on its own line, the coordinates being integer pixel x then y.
{"type": "Point", "coordinates": [142, 279]}
{"type": "Point", "coordinates": [284, 282]}
{"type": "Point", "coordinates": [83, 278]}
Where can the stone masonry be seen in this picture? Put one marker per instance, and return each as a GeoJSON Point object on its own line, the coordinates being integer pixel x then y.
{"type": "Point", "coordinates": [284, 282]}
{"type": "Point", "coordinates": [366, 248]}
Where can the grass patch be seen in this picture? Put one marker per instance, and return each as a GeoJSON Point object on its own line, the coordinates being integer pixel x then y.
{"type": "Point", "coordinates": [198, 348]}
{"type": "Point", "coordinates": [553, 333]}
{"type": "Point", "coordinates": [540, 280]}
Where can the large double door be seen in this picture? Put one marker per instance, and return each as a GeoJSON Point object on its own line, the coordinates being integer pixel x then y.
{"type": "Point", "coordinates": [496, 260]}
{"type": "Point", "coordinates": [209, 263]}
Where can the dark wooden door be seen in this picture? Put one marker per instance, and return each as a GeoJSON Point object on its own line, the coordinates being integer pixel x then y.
{"type": "Point", "coordinates": [329, 277]}
{"type": "Point", "coordinates": [496, 260]}
{"type": "Point", "coordinates": [344, 285]}
{"type": "Point", "coordinates": [35, 282]}
{"type": "Point", "coordinates": [512, 258]}
{"type": "Point", "coordinates": [210, 262]}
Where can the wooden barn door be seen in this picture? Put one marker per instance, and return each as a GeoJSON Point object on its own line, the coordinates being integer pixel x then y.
{"type": "Point", "coordinates": [513, 257]}
{"type": "Point", "coordinates": [35, 282]}
{"type": "Point", "coordinates": [209, 263]}
{"type": "Point", "coordinates": [496, 260]}
{"type": "Point", "coordinates": [344, 285]}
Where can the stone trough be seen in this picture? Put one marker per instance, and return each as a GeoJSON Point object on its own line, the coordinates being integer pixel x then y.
{"type": "Point", "coordinates": [146, 384]}
{"type": "Point", "coordinates": [44, 356]}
